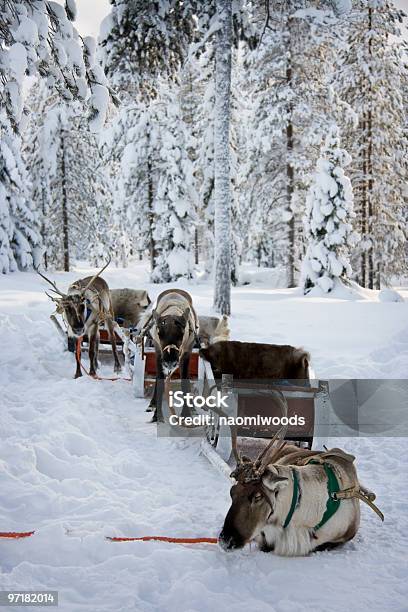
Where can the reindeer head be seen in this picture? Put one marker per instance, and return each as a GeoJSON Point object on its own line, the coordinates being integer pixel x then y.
{"type": "Point", "coordinates": [171, 330]}
{"type": "Point", "coordinates": [252, 508]}
{"type": "Point", "coordinates": [254, 494]}
{"type": "Point", "coordinates": [72, 306]}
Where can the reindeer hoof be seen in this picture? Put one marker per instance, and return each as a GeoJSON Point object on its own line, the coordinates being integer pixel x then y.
{"type": "Point", "coordinates": [149, 409]}
{"type": "Point", "coordinates": [156, 419]}
{"type": "Point", "coordinates": [78, 375]}
{"type": "Point", "coordinates": [117, 369]}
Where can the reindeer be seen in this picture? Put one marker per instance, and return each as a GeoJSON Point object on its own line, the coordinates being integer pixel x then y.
{"type": "Point", "coordinates": [173, 326]}
{"type": "Point", "coordinates": [213, 330]}
{"type": "Point", "coordinates": [293, 501]}
{"type": "Point", "coordinates": [86, 305]}
{"type": "Point", "coordinates": [252, 360]}
{"type": "Point", "coordinates": [129, 305]}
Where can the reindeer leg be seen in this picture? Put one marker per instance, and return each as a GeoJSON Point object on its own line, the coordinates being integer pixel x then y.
{"type": "Point", "coordinates": [92, 333]}
{"type": "Point", "coordinates": [78, 372]}
{"type": "Point", "coordinates": [185, 383]}
{"type": "Point", "coordinates": [97, 337]}
{"type": "Point", "coordinates": [158, 392]}
{"type": "Point", "coordinates": [112, 337]}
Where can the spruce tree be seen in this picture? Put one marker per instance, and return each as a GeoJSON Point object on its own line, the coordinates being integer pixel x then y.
{"type": "Point", "coordinates": [37, 37]}
{"type": "Point", "coordinates": [329, 210]}
{"type": "Point", "coordinates": [371, 77]}
{"type": "Point", "coordinates": [19, 223]}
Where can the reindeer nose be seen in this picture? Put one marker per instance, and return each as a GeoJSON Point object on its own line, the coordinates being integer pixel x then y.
{"type": "Point", "coordinates": [227, 542]}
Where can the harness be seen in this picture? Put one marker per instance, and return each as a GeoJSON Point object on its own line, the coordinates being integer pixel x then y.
{"type": "Point", "coordinates": [332, 504]}
{"type": "Point", "coordinates": [334, 496]}
{"type": "Point", "coordinates": [190, 330]}
{"type": "Point", "coordinates": [88, 309]}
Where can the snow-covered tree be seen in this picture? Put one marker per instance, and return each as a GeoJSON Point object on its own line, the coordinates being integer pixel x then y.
{"type": "Point", "coordinates": [69, 188]}
{"type": "Point", "coordinates": [19, 223]}
{"type": "Point", "coordinates": [329, 209]}
{"type": "Point", "coordinates": [222, 217]}
{"type": "Point", "coordinates": [370, 78]}
{"type": "Point", "coordinates": [287, 90]}
{"type": "Point", "coordinates": [141, 42]}
{"type": "Point", "coordinates": [174, 200]}
{"type": "Point", "coordinates": [37, 37]}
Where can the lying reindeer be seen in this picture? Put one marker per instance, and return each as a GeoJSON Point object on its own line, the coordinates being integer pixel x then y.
{"type": "Point", "coordinates": [86, 305]}
{"type": "Point", "coordinates": [294, 501]}
{"type": "Point", "coordinates": [173, 326]}
{"type": "Point", "coordinates": [251, 360]}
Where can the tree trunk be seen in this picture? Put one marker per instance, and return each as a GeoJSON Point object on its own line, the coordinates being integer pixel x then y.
{"type": "Point", "coordinates": [152, 245]}
{"type": "Point", "coordinates": [196, 246]}
{"type": "Point", "coordinates": [290, 173]}
{"type": "Point", "coordinates": [370, 256]}
{"type": "Point", "coordinates": [364, 225]}
{"type": "Point", "coordinates": [65, 227]}
{"type": "Point", "coordinates": [44, 201]}
{"type": "Point", "coordinates": [222, 218]}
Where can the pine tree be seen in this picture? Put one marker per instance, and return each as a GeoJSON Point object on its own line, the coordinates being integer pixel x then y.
{"type": "Point", "coordinates": [69, 188]}
{"type": "Point", "coordinates": [329, 209]}
{"type": "Point", "coordinates": [141, 41]}
{"type": "Point", "coordinates": [370, 78]}
{"type": "Point", "coordinates": [287, 114]}
{"type": "Point", "coordinates": [175, 198]}
{"type": "Point", "coordinates": [37, 38]}
{"type": "Point", "coordinates": [19, 223]}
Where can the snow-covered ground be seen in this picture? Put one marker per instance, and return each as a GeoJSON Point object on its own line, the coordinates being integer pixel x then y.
{"type": "Point", "coordinates": [79, 462]}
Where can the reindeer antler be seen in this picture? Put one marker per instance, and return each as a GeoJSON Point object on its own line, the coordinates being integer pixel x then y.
{"type": "Point", "coordinates": [54, 286]}
{"type": "Point", "coordinates": [97, 274]}
{"type": "Point", "coordinates": [249, 471]}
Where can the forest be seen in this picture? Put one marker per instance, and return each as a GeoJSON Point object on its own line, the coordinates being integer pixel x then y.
{"type": "Point", "coordinates": [198, 136]}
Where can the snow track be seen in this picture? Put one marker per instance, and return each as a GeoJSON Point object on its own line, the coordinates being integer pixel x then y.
{"type": "Point", "coordinates": [78, 462]}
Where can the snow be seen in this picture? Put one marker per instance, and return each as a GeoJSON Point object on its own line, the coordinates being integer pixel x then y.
{"type": "Point", "coordinates": [390, 295]}
{"type": "Point", "coordinates": [79, 462]}
{"type": "Point", "coordinates": [17, 58]}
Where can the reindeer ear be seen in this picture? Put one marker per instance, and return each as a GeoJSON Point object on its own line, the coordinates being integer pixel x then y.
{"type": "Point", "coordinates": [272, 481]}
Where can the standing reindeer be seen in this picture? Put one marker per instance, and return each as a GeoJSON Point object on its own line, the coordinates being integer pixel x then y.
{"type": "Point", "coordinates": [173, 326]}
{"type": "Point", "coordinates": [86, 305]}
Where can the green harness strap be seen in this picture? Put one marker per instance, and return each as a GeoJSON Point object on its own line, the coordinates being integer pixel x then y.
{"type": "Point", "coordinates": [332, 504]}
{"type": "Point", "coordinates": [295, 497]}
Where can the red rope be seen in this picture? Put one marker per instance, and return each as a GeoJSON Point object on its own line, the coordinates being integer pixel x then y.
{"type": "Point", "coordinates": [16, 534]}
{"type": "Point", "coordinates": [94, 376]}
{"type": "Point", "coordinates": [167, 539]}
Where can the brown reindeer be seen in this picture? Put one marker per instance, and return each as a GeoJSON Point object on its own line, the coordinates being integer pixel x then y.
{"type": "Point", "coordinates": [84, 308]}
{"type": "Point", "coordinates": [252, 360]}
